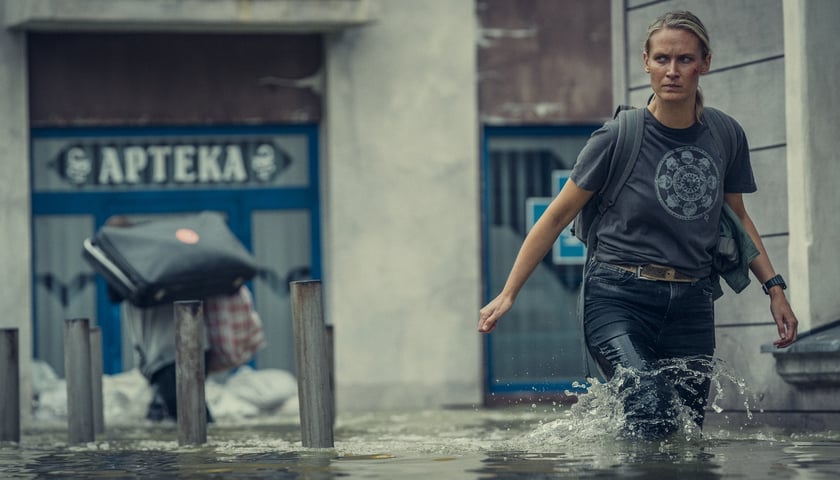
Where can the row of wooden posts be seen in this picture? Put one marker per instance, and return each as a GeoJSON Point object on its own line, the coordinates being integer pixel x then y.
{"type": "Point", "coordinates": [83, 373]}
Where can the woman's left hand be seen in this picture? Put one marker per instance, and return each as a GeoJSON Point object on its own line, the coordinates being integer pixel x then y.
{"type": "Point", "coordinates": [786, 321]}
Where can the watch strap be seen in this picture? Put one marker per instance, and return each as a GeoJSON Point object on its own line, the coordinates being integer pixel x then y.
{"type": "Point", "coordinates": [777, 280]}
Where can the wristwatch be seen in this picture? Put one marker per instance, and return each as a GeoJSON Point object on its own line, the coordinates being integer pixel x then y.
{"type": "Point", "coordinates": [777, 280]}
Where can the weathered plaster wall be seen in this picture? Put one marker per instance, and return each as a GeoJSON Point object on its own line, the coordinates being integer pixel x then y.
{"type": "Point", "coordinates": [812, 60]}
{"type": "Point", "coordinates": [401, 207]}
{"type": "Point", "coordinates": [15, 251]}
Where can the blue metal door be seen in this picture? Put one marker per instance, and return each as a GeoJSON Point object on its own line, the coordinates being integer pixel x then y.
{"type": "Point", "coordinates": [538, 350]}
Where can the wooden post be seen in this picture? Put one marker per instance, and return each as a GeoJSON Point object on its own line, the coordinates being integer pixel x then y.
{"type": "Point", "coordinates": [311, 359]}
{"type": "Point", "coordinates": [77, 372]}
{"type": "Point", "coordinates": [96, 380]}
{"type": "Point", "coordinates": [189, 372]}
{"type": "Point", "coordinates": [10, 384]}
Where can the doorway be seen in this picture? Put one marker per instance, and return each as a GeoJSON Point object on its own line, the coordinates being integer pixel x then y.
{"type": "Point", "coordinates": [538, 350]}
{"type": "Point", "coordinates": [264, 180]}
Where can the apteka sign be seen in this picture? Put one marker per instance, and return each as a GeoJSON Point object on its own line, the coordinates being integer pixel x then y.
{"type": "Point", "coordinates": [156, 163]}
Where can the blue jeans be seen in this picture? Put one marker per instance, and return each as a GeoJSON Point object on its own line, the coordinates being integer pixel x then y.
{"type": "Point", "coordinates": [639, 324]}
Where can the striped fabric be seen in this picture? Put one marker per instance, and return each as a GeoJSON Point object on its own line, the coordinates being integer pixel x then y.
{"type": "Point", "coordinates": [234, 328]}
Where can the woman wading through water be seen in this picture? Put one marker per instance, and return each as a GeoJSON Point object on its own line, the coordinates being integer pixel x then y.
{"type": "Point", "coordinates": [649, 286]}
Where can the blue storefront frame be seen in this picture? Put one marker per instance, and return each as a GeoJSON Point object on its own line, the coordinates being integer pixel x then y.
{"type": "Point", "coordinates": [236, 203]}
{"type": "Point", "coordinates": [491, 385]}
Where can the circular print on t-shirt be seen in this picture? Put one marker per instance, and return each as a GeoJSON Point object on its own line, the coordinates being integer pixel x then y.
{"type": "Point", "coordinates": [687, 182]}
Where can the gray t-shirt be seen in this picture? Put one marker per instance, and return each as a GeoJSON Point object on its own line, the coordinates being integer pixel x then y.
{"type": "Point", "coordinates": [669, 209]}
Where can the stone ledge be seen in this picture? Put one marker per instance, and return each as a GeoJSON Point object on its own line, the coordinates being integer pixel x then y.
{"type": "Point", "coordinates": [788, 421]}
{"type": "Point", "coordinates": [813, 361]}
{"type": "Point", "coordinates": [228, 16]}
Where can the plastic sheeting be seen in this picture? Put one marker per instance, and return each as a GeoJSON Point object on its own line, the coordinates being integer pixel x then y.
{"type": "Point", "coordinates": [234, 397]}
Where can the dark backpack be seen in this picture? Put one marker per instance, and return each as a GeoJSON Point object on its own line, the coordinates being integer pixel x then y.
{"type": "Point", "coordinates": [631, 124]}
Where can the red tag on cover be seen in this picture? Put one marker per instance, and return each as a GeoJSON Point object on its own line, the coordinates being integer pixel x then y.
{"type": "Point", "coordinates": [186, 235]}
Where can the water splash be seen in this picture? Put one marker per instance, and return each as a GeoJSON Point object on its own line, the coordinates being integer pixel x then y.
{"type": "Point", "coordinates": [722, 374]}
{"type": "Point", "coordinates": [601, 419]}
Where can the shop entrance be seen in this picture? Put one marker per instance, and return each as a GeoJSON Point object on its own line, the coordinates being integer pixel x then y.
{"type": "Point", "coordinates": [538, 350]}
{"type": "Point", "coordinates": [262, 179]}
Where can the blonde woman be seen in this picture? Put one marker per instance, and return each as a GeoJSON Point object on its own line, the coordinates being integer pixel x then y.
{"type": "Point", "coordinates": [648, 291]}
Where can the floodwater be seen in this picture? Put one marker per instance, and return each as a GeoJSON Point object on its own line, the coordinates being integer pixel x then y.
{"type": "Point", "coordinates": [537, 441]}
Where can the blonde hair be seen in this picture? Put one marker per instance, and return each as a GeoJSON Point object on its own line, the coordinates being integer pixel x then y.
{"type": "Point", "coordinates": [684, 20]}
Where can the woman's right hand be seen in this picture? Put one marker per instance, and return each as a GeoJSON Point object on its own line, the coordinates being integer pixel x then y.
{"type": "Point", "coordinates": [537, 244]}
{"type": "Point", "coordinates": [492, 312]}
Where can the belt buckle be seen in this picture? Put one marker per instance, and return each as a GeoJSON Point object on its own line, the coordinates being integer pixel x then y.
{"type": "Point", "coordinates": [641, 276]}
{"type": "Point", "coordinates": [656, 273]}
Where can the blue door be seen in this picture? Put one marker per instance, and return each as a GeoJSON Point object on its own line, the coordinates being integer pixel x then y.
{"type": "Point", "coordinates": [538, 350]}
{"type": "Point", "coordinates": [262, 179]}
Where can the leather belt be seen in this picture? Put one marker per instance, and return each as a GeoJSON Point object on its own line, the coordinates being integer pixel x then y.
{"type": "Point", "coordinates": [657, 272]}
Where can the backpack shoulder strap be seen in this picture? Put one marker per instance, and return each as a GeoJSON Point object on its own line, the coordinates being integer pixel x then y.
{"type": "Point", "coordinates": [722, 130]}
{"type": "Point", "coordinates": [631, 124]}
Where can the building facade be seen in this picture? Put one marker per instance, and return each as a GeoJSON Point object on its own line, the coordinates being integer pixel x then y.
{"type": "Point", "coordinates": [398, 151]}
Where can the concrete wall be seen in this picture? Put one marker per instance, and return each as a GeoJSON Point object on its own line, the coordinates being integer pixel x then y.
{"type": "Point", "coordinates": [15, 240]}
{"type": "Point", "coordinates": [761, 70]}
{"type": "Point", "coordinates": [813, 101]}
{"type": "Point", "coordinates": [401, 207]}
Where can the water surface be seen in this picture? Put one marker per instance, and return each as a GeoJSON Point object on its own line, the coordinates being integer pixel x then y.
{"type": "Point", "coordinates": [527, 442]}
